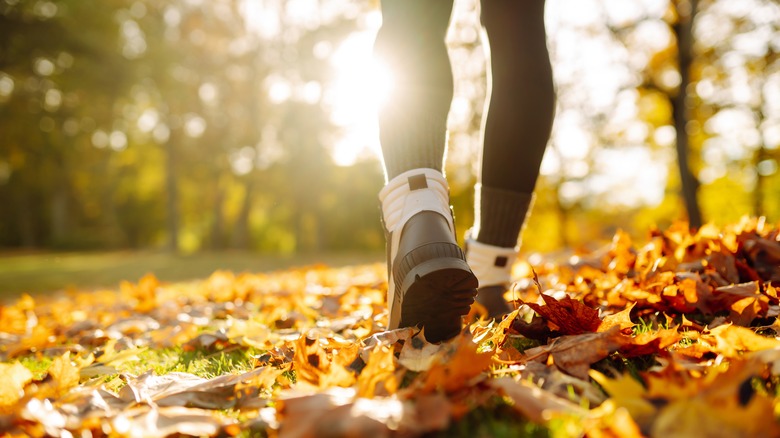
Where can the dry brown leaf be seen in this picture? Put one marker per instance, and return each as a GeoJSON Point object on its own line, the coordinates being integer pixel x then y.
{"type": "Point", "coordinates": [562, 385]}
{"type": "Point", "coordinates": [419, 355]}
{"type": "Point", "coordinates": [386, 338]}
{"type": "Point", "coordinates": [223, 392]}
{"type": "Point", "coordinates": [336, 412]}
{"type": "Point", "coordinates": [161, 422]}
{"type": "Point", "coordinates": [575, 354]}
{"type": "Point", "coordinates": [744, 301]}
{"type": "Point", "coordinates": [532, 402]}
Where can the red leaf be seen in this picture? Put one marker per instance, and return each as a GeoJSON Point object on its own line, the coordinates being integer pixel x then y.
{"type": "Point", "coordinates": [571, 316]}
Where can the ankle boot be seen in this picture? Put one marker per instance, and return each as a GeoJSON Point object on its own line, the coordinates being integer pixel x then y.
{"type": "Point", "coordinates": [493, 267]}
{"type": "Point", "coordinates": [429, 282]}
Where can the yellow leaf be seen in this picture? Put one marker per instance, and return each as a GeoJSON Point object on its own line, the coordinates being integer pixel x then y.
{"type": "Point", "coordinates": [13, 378]}
{"type": "Point", "coordinates": [14, 319]}
{"type": "Point", "coordinates": [249, 332]}
{"type": "Point", "coordinates": [731, 340]}
{"type": "Point", "coordinates": [144, 293]}
{"type": "Point", "coordinates": [609, 420]}
{"type": "Point", "coordinates": [697, 417]}
{"type": "Point", "coordinates": [626, 392]}
{"type": "Point", "coordinates": [379, 369]}
{"type": "Point", "coordinates": [64, 374]}
{"type": "Point", "coordinates": [112, 357]}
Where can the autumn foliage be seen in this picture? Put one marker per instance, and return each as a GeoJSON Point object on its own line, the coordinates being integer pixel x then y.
{"type": "Point", "coordinates": [676, 337]}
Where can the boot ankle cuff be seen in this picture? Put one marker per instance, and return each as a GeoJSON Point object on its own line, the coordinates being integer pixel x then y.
{"type": "Point", "coordinates": [411, 192]}
{"type": "Point", "coordinates": [491, 264]}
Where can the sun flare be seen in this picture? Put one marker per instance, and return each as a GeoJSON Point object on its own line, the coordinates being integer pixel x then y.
{"type": "Point", "coordinates": [361, 85]}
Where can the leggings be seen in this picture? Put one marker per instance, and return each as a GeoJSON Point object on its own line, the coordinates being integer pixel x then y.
{"type": "Point", "coordinates": [520, 102]}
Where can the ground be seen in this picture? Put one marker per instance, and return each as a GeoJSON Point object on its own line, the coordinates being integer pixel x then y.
{"type": "Point", "coordinates": [672, 336]}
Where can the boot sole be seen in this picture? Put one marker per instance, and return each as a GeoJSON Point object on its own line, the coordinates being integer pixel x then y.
{"type": "Point", "coordinates": [437, 294]}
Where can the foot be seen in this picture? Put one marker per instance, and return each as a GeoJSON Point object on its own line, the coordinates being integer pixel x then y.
{"type": "Point", "coordinates": [430, 285]}
{"type": "Point", "coordinates": [492, 299]}
{"type": "Point", "coordinates": [493, 267]}
{"type": "Point", "coordinates": [435, 284]}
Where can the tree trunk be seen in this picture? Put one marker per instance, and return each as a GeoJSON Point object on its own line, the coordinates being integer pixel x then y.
{"type": "Point", "coordinates": [761, 178]}
{"type": "Point", "coordinates": [58, 219]}
{"type": "Point", "coordinates": [686, 11]}
{"type": "Point", "coordinates": [218, 221]}
{"type": "Point", "coordinates": [758, 192]}
{"type": "Point", "coordinates": [25, 221]}
{"type": "Point", "coordinates": [172, 205]}
{"type": "Point", "coordinates": [240, 238]}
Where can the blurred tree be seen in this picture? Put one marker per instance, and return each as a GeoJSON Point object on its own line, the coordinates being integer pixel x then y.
{"type": "Point", "coordinates": [736, 105]}
{"type": "Point", "coordinates": [685, 13]}
{"type": "Point", "coordinates": [201, 125]}
{"type": "Point", "coordinates": [54, 58]}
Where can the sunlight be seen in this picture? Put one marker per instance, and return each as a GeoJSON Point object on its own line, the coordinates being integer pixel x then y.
{"type": "Point", "coordinates": [362, 83]}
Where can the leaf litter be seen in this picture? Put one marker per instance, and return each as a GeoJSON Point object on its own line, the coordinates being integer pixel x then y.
{"type": "Point", "coordinates": [678, 337]}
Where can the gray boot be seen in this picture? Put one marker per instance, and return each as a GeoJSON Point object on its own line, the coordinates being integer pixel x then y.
{"type": "Point", "coordinates": [429, 282]}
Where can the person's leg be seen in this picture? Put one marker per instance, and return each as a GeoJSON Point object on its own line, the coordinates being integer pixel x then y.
{"type": "Point", "coordinates": [516, 128]}
{"type": "Point", "coordinates": [413, 121]}
{"type": "Point", "coordinates": [429, 282]}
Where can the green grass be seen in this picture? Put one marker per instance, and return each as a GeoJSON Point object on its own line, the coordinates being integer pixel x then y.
{"type": "Point", "coordinates": [47, 272]}
{"type": "Point", "coordinates": [38, 366]}
{"type": "Point", "coordinates": [200, 362]}
{"type": "Point", "coordinates": [203, 363]}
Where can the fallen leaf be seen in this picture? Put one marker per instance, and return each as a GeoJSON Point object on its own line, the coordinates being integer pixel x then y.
{"type": "Point", "coordinates": [651, 342]}
{"type": "Point", "coordinates": [534, 403]}
{"type": "Point", "coordinates": [161, 422]}
{"type": "Point", "coordinates": [570, 316]}
{"type": "Point", "coordinates": [13, 378]}
{"type": "Point", "coordinates": [62, 376]}
{"type": "Point", "coordinates": [379, 370]}
{"type": "Point", "coordinates": [731, 341]}
{"type": "Point", "coordinates": [620, 319]}
{"type": "Point", "coordinates": [144, 294]}
{"type": "Point", "coordinates": [314, 365]}
{"type": "Point", "coordinates": [454, 371]}
{"type": "Point", "coordinates": [419, 355]}
{"type": "Point", "coordinates": [628, 393]}
{"type": "Point", "coordinates": [574, 354]}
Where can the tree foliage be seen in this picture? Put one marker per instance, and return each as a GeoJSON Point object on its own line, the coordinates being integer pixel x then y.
{"type": "Point", "coordinates": [206, 125]}
{"type": "Point", "coordinates": [137, 123]}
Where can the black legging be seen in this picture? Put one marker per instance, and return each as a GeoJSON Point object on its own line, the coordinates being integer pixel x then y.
{"type": "Point", "coordinates": [520, 110]}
